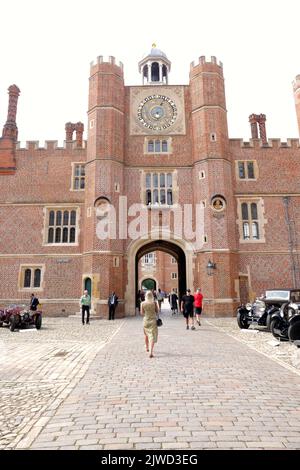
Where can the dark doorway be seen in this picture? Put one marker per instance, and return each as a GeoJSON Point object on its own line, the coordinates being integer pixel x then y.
{"type": "Point", "coordinates": [88, 285]}
{"type": "Point", "coordinates": [171, 249]}
{"type": "Point", "coordinates": [149, 284]}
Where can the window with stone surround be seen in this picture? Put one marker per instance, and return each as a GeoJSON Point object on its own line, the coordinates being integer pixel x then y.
{"type": "Point", "coordinates": [31, 277]}
{"type": "Point", "coordinates": [61, 226]}
{"type": "Point", "coordinates": [159, 189]}
{"type": "Point", "coordinates": [157, 145]}
{"type": "Point", "coordinates": [246, 169]}
{"type": "Point", "coordinates": [78, 176]}
{"type": "Point", "coordinates": [149, 259]}
{"type": "Point", "coordinates": [251, 220]}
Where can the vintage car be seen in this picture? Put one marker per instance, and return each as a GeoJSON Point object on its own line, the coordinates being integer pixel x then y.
{"type": "Point", "coordinates": [285, 324]}
{"type": "Point", "coordinates": [264, 308]}
{"type": "Point", "coordinates": [19, 316]}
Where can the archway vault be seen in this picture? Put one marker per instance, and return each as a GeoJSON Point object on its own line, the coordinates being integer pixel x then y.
{"type": "Point", "coordinates": [163, 241]}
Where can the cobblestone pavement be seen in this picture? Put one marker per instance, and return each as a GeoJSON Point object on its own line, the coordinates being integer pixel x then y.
{"type": "Point", "coordinates": [204, 389]}
{"type": "Point", "coordinates": [40, 368]}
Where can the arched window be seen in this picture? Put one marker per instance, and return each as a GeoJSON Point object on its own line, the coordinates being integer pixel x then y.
{"type": "Point", "coordinates": [250, 222]}
{"type": "Point", "coordinates": [58, 235]}
{"type": "Point", "coordinates": [169, 197]}
{"type": "Point", "coordinates": [27, 278]}
{"type": "Point", "coordinates": [65, 235]}
{"type": "Point", "coordinates": [155, 72]}
{"type": "Point", "coordinates": [58, 218]}
{"type": "Point", "coordinates": [73, 218]}
{"type": "Point", "coordinates": [155, 196]}
{"type": "Point", "coordinates": [66, 217]}
{"type": "Point", "coordinates": [50, 235]}
{"type": "Point", "coordinates": [51, 218]}
{"type": "Point", "coordinates": [37, 278]}
{"type": "Point", "coordinates": [72, 235]}
{"type": "Point", "coordinates": [157, 146]}
{"type": "Point", "coordinates": [148, 197]}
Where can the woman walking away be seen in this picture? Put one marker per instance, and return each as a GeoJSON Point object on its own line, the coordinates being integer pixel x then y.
{"type": "Point", "coordinates": [149, 311]}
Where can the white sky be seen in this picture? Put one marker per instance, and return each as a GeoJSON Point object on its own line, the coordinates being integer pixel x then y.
{"type": "Point", "coordinates": [46, 48]}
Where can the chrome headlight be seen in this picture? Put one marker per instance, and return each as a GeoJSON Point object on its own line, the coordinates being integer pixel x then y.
{"type": "Point", "coordinates": [248, 306]}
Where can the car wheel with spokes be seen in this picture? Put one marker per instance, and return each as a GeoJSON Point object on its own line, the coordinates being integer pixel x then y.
{"type": "Point", "coordinates": [276, 327]}
{"type": "Point", "coordinates": [294, 331]}
{"type": "Point", "coordinates": [38, 322]}
{"type": "Point", "coordinates": [242, 321]}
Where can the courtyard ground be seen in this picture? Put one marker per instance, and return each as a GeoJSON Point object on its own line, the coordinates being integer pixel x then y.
{"type": "Point", "coordinates": [70, 386]}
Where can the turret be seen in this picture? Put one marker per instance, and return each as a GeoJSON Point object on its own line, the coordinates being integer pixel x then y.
{"type": "Point", "coordinates": [209, 115]}
{"type": "Point", "coordinates": [155, 67]}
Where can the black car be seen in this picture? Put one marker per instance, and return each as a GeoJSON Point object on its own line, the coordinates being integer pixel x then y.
{"type": "Point", "coordinates": [261, 311]}
{"type": "Point", "coordinates": [285, 324]}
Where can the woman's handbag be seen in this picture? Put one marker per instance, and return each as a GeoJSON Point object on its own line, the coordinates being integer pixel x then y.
{"type": "Point", "coordinates": [159, 321]}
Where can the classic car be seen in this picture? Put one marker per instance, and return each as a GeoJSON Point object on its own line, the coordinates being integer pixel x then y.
{"type": "Point", "coordinates": [262, 310]}
{"type": "Point", "coordinates": [19, 316]}
{"type": "Point", "coordinates": [285, 324]}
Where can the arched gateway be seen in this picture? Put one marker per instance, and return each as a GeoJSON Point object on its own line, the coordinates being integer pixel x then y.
{"type": "Point", "coordinates": [180, 249]}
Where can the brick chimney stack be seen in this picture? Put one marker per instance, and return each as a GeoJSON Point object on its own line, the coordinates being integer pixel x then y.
{"type": "Point", "coordinates": [10, 127]}
{"type": "Point", "coordinates": [258, 121]}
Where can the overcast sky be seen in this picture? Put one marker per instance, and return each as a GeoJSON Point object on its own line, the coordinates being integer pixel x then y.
{"type": "Point", "coordinates": [47, 46]}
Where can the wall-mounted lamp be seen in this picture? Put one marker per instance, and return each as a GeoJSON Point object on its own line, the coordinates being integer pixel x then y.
{"type": "Point", "coordinates": [210, 268]}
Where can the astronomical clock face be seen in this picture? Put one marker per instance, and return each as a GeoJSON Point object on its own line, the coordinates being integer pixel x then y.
{"type": "Point", "coordinates": [157, 112]}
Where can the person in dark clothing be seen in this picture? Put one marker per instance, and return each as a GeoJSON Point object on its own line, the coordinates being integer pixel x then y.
{"type": "Point", "coordinates": [187, 308]}
{"type": "Point", "coordinates": [112, 304]}
{"type": "Point", "coordinates": [34, 301]}
{"type": "Point", "coordinates": [173, 298]}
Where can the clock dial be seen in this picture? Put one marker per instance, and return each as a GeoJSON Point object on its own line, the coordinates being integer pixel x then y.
{"type": "Point", "coordinates": [157, 112]}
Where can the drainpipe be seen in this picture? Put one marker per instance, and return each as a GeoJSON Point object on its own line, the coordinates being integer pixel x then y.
{"type": "Point", "coordinates": [288, 221]}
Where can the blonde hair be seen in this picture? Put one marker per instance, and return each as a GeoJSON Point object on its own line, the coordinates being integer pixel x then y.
{"type": "Point", "coordinates": [149, 296]}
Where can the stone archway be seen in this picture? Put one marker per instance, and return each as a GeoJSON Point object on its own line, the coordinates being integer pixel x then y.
{"type": "Point", "coordinates": [158, 240]}
{"type": "Point", "coordinates": [149, 283]}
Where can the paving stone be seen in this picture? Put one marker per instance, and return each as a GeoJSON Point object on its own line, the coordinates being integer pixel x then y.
{"type": "Point", "coordinates": [167, 401]}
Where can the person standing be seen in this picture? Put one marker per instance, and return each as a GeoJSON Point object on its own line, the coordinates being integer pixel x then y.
{"type": "Point", "coordinates": [160, 299]}
{"type": "Point", "coordinates": [85, 303]}
{"type": "Point", "coordinates": [187, 308]}
{"type": "Point", "coordinates": [173, 298]}
{"type": "Point", "coordinates": [198, 304]}
{"type": "Point", "coordinates": [112, 305]}
{"type": "Point", "coordinates": [34, 301]}
{"type": "Point", "coordinates": [149, 310]}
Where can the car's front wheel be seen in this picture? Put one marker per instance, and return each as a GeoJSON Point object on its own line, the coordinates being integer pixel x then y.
{"type": "Point", "coordinates": [242, 321]}
{"type": "Point", "coordinates": [294, 331]}
{"type": "Point", "coordinates": [13, 323]}
{"type": "Point", "coordinates": [276, 327]}
{"type": "Point", "coordinates": [38, 322]}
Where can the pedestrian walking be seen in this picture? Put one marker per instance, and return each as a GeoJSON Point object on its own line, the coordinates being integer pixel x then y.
{"type": "Point", "coordinates": [173, 301]}
{"type": "Point", "coordinates": [198, 304]}
{"type": "Point", "coordinates": [85, 304]}
{"type": "Point", "coordinates": [149, 310]}
{"type": "Point", "coordinates": [160, 299]}
{"type": "Point", "coordinates": [187, 308]}
{"type": "Point", "coordinates": [112, 305]}
{"type": "Point", "coordinates": [138, 301]}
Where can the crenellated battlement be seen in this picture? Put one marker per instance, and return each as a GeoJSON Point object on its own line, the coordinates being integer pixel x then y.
{"type": "Point", "coordinates": [50, 145]}
{"type": "Point", "coordinates": [110, 60]}
{"type": "Point", "coordinates": [271, 143]}
{"type": "Point", "coordinates": [202, 61]}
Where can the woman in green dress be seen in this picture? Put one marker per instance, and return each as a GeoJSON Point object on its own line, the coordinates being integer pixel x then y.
{"type": "Point", "coordinates": [149, 310]}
